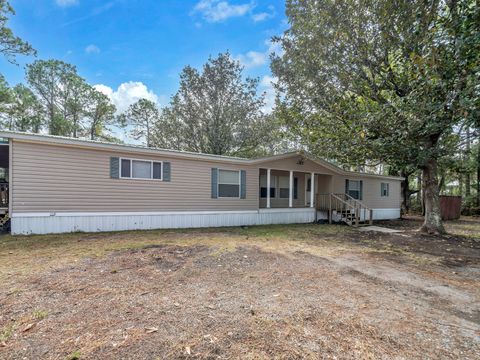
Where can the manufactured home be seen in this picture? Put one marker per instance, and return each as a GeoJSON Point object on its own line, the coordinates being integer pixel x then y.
{"type": "Point", "coordinates": [55, 184]}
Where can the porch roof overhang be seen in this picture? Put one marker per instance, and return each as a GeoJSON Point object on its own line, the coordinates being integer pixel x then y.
{"type": "Point", "coordinates": [332, 167]}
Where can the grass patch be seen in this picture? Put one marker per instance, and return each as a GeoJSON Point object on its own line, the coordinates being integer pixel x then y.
{"type": "Point", "coordinates": [7, 333]}
{"type": "Point", "coordinates": [39, 314]}
{"type": "Point", "coordinates": [76, 355]}
{"type": "Point", "coordinates": [24, 255]}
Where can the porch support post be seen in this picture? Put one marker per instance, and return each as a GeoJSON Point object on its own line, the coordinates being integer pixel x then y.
{"type": "Point", "coordinates": [312, 189]}
{"type": "Point", "coordinates": [268, 188]}
{"type": "Point", "coordinates": [290, 192]}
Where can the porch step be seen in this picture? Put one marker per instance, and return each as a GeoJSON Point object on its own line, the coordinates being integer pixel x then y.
{"type": "Point", "coordinates": [343, 207]}
{"type": "Point", "coordinates": [349, 217]}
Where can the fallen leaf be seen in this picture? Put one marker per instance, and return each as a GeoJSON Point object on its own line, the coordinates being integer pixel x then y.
{"type": "Point", "coordinates": [150, 330]}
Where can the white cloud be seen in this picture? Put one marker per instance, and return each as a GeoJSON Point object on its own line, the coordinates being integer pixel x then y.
{"type": "Point", "coordinates": [127, 94]}
{"type": "Point", "coordinates": [264, 15]}
{"type": "Point", "coordinates": [66, 3]}
{"type": "Point", "coordinates": [252, 59]}
{"type": "Point", "coordinates": [217, 10]}
{"type": "Point", "coordinates": [267, 86]}
{"type": "Point", "coordinates": [260, 16]}
{"type": "Point", "coordinates": [92, 49]}
{"type": "Point", "coordinates": [273, 48]}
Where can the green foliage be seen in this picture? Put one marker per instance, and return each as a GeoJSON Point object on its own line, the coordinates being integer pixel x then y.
{"type": "Point", "coordinates": [10, 44]}
{"type": "Point", "coordinates": [71, 106]}
{"type": "Point", "coordinates": [100, 114]}
{"type": "Point", "coordinates": [25, 113]}
{"type": "Point", "coordinates": [380, 80]}
{"type": "Point", "coordinates": [215, 111]}
{"type": "Point", "coordinates": [77, 100]}
{"type": "Point", "coordinates": [143, 116]}
{"type": "Point", "coordinates": [50, 80]}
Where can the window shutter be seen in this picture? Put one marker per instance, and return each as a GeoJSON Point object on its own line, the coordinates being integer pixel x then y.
{"type": "Point", "coordinates": [346, 186]}
{"type": "Point", "coordinates": [214, 183]}
{"type": "Point", "coordinates": [361, 190]}
{"type": "Point", "coordinates": [114, 167]}
{"type": "Point", "coordinates": [166, 171]}
{"type": "Point", "coordinates": [243, 184]}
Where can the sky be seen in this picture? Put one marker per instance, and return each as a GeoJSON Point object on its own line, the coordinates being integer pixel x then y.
{"type": "Point", "coordinates": [132, 49]}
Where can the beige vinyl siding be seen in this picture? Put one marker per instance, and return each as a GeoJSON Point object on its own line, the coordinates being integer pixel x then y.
{"type": "Point", "coordinates": [54, 178]}
{"type": "Point", "coordinates": [371, 191]}
{"type": "Point", "coordinates": [324, 184]}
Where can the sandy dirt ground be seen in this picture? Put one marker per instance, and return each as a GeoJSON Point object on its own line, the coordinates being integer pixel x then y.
{"type": "Point", "coordinates": [275, 292]}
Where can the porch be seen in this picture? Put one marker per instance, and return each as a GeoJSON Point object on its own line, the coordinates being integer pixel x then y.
{"type": "Point", "coordinates": [289, 192]}
{"type": "Point", "coordinates": [291, 189]}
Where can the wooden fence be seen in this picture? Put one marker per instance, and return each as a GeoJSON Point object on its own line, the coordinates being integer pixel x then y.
{"type": "Point", "coordinates": [450, 207]}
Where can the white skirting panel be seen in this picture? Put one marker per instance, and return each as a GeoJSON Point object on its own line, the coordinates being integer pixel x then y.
{"type": "Point", "coordinates": [378, 214]}
{"type": "Point", "coordinates": [386, 214]}
{"type": "Point", "coordinates": [94, 222]}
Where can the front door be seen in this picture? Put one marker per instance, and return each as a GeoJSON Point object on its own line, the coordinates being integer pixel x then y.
{"type": "Point", "coordinates": [308, 189]}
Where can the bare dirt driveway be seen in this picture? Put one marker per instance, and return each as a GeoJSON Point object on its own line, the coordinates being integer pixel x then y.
{"type": "Point", "coordinates": [275, 292]}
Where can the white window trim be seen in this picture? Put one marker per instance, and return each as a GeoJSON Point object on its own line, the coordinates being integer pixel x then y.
{"type": "Point", "coordinates": [131, 169]}
{"type": "Point", "coordinates": [386, 186]}
{"type": "Point", "coordinates": [218, 184]}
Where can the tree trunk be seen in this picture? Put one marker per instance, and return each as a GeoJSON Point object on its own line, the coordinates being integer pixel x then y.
{"type": "Point", "coordinates": [405, 193]}
{"type": "Point", "coordinates": [420, 200]}
{"type": "Point", "coordinates": [433, 219]}
{"type": "Point", "coordinates": [93, 130]}
{"type": "Point", "coordinates": [51, 118]}
{"type": "Point", "coordinates": [467, 175]}
{"type": "Point", "coordinates": [75, 125]}
{"type": "Point", "coordinates": [478, 176]}
{"type": "Point", "coordinates": [460, 184]}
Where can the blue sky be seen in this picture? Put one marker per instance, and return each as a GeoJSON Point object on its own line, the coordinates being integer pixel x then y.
{"type": "Point", "coordinates": [136, 48]}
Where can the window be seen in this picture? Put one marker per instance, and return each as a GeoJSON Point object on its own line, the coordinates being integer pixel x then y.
{"type": "Point", "coordinates": [228, 183]}
{"type": "Point", "coordinates": [125, 171]}
{"type": "Point", "coordinates": [284, 186]}
{"type": "Point", "coordinates": [385, 189]}
{"type": "Point", "coordinates": [353, 189]}
{"type": "Point", "coordinates": [263, 186]}
{"type": "Point", "coordinates": [141, 169]}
